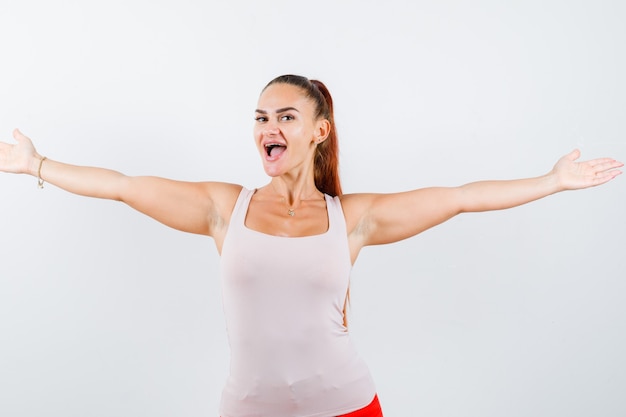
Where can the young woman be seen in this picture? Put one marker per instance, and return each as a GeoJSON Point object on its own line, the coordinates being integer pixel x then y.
{"type": "Point", "coordinates": [287, 248]}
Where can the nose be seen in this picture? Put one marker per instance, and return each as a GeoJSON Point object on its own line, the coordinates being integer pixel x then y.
{"type": "Point", "coordinates": [270, 128]}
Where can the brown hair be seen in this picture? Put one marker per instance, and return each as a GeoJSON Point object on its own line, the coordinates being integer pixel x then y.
{"type": "Point", "coordinates": [326, 164]}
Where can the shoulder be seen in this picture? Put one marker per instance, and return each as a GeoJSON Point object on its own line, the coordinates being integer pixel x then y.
{"type": "Point", "coordinates": [358, 201]}
{"type": "Point", "coordinates": [223, 189]}
{"type": "Point", "coordinates": [223, 195]}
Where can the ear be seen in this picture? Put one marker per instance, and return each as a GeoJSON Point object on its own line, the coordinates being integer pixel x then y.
{"type": "Point", "coordinates": [322, 130]}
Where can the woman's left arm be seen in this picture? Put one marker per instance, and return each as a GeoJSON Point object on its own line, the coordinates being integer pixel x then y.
{"type": "Point", "coordinates": [385, 218]}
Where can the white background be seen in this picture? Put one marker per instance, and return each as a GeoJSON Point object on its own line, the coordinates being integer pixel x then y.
{"type": "Point", "coordinates": [104, 312]}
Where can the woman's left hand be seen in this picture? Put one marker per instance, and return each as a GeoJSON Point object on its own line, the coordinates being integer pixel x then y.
{"type": "Point", "coordinates": [572, 175]}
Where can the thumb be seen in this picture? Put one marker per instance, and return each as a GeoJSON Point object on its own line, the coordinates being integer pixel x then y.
{"type": "Point", "coordinates": [22, 138]}
{"type": "Point", "coordinates": [573, 155]}
{"type": "Point", "coordinates": [17, 135]}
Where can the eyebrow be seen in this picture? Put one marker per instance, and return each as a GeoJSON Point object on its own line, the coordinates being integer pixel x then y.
{"type": "Point", "coordinates": [281, 110]}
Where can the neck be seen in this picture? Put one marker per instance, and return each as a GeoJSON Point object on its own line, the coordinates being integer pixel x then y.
{"type": "Point", "coordinates": [294, 191]}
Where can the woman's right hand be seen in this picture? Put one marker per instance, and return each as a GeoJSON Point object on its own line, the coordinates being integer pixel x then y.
{"type": "Point", "coordinates": [19, 158]}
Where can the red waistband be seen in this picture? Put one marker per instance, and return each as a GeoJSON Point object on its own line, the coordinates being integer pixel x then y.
{"type": "Point", "coordinates": [372, 410]}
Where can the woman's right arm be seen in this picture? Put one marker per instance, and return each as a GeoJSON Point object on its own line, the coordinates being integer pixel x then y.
{"type": "Point", "coordinates": [195, 207]}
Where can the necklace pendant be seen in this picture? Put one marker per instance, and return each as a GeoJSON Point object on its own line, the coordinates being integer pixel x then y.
{"type": "Point", "coordinates": [291, 212]}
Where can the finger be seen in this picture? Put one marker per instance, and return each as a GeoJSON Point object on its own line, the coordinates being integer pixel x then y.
{"type": "Point", "coordinates": [602, 177]}
{"type": "Point", "coordinates": [598, 161]}
{"type": "Point", "coordinates": [604, 164]}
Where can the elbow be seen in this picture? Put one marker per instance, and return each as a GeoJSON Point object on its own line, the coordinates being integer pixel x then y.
{"type": "Point", "coordinates": [461, 201]}
{"type": "Point", "coordinates": [125, 189]}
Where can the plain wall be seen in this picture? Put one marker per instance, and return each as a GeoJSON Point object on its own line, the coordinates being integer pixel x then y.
{"type": "Point", "coordinates": [104, 312]}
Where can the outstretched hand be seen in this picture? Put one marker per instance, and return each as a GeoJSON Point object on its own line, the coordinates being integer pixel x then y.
{"type": "Point", "coordinates": [573, 175]}
{"type": "Point", "coordinates": [18, 158]}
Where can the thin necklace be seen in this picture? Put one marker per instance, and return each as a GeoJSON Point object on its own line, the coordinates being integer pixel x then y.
{"type": "Point", "coordinates": [291, 211]}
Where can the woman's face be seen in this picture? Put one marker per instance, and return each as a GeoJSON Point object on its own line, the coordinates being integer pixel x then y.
{"type": "Point", "coordinates": [286, 130]}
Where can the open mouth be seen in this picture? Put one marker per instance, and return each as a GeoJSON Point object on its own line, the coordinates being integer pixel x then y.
{"type": "Point", "coordinates": [274, 149]}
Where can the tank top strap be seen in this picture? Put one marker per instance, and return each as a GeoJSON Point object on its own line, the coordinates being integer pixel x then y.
{"type": "Point", "coordinates": [238, 216]}
{"type": "Point", "coordinates": [336, 218]}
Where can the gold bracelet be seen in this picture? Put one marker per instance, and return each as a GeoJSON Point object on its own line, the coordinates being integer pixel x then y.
{"type": "Point", "coordinates": [39, 179]}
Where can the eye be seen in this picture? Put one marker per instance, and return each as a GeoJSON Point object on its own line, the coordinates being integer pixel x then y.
{"type": "Point", "coordinates": [260, 119]}
{"type": "Point", "coordinates": [286, 117]}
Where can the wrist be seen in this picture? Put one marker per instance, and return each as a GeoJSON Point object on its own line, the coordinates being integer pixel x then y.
{"type": "Point", "coordinates": [33, 165]}
{"type": "Point", "coordinates": [553, 183]}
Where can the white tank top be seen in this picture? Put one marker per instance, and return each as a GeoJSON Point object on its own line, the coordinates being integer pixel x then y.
{"type": "Point", "coordinates": [283, 297]}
